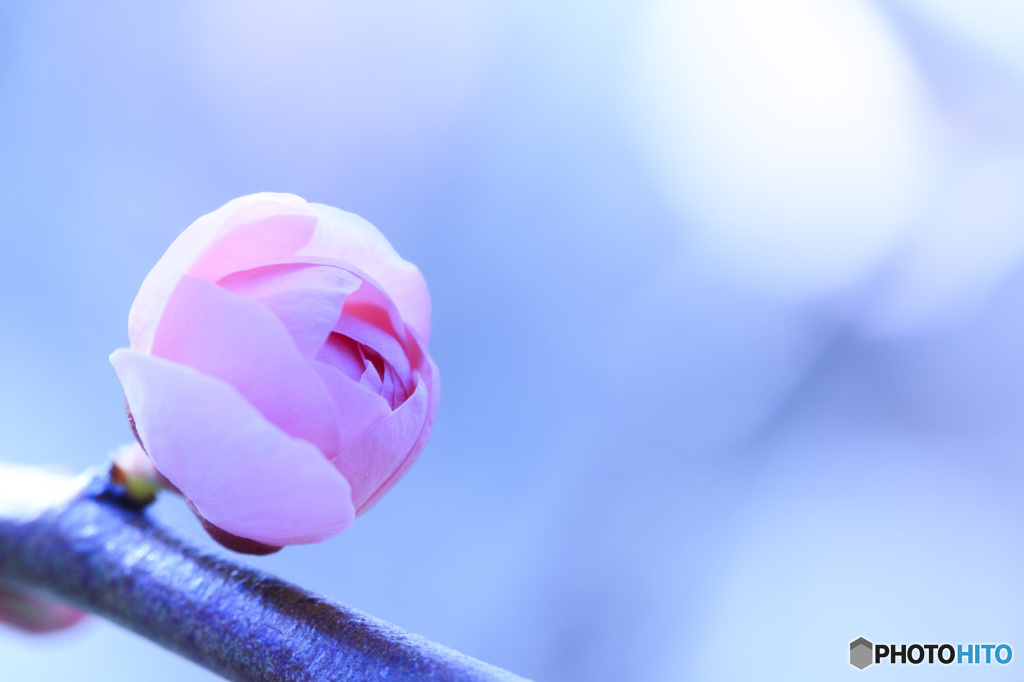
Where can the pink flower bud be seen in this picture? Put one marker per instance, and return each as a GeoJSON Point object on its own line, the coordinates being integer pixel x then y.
{"type": "Point", "coordinates": [29, 612]}
{"type": "Point", "coordinates": [278, 374]}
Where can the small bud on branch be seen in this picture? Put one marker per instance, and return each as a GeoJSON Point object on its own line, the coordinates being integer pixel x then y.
{"type": "Point", "coordinates": [73, 541]}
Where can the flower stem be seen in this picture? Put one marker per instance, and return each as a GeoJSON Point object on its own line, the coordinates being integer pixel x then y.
{"type": "Point", "coordinates": [68, 539]}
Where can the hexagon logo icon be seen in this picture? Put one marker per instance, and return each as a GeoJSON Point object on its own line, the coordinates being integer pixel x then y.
{"type": "Point", "coordinates": [861, 653]}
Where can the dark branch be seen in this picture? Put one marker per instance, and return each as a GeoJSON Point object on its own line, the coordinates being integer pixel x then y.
{"type": "Point", "coordinates": [61, 536]}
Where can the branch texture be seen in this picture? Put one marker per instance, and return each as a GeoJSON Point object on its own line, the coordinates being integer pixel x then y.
{"type": "Point", "coordinates": [70, 539]}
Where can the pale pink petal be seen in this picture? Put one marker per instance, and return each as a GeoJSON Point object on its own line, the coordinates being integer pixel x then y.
{"type": "Point", "coordinates": [242, 473]}
{"type": "Point", "coordinates": [185, 251]}
{"type": "Point", "coordinates": [372, 336]}
{"type": "Point", "coordinates": [348, 237]}
{"type": "Point", "coordinates": [388, 381]}
{"type": "Point", "coordinates": [372, 459]}
{"type": "Point", "coordinates": [401, 393]}
{"type": "Point", "coordinates": [392, 388]}
{"type": "Point", "coordinates": [263, 206]}
{"type": "Point", "coordinates": [161, 280]}
{"type": "Point", "coordinates": [358, 409]}
{"type": "Point", "coordinates": [257, 237]}
{"type": "Point", "coordinates": [373, 305]}
{"type": "Point", "coordinates": [306, 298]}
{"type": "Point", "coordinates": [241, 342]}
{"type": "Point", "coordinates": [370, 379]}
{"type": "Point", "coordinates": [431, 378]}
{"type": "Point", "coordinates": [342, 353]}
{"type": "Point", "coordinates": [369, 302]}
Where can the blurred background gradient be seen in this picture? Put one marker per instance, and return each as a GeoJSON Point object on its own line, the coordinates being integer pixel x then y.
{"type": "Point", "coordinates": [728, 296]}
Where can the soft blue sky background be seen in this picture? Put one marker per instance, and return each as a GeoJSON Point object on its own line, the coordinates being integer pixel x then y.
{"type": "Point", "coordinates": [729, 306]}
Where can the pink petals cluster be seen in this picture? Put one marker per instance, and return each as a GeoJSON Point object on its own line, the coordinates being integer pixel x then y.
{"type": "Point", "coordinates": [278, 374]}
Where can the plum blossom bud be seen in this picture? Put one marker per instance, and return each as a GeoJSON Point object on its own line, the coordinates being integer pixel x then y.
{"type": "Point", "coordinates": [32, 613]}
{"type": "Point", "coordinates": [278, 374]}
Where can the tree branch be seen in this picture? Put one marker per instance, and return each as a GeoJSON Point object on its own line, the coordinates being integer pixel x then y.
{"type": "Point", "coordinates": [69, 538]}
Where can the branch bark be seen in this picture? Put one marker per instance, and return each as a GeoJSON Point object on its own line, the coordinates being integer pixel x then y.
{"type": "Point", "coordinates": [72, 540]}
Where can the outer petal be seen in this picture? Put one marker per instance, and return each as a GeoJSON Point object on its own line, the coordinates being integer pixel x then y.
{"type": "Point", "coordinates": [348, 237]}
{"type": "Point", "coordinates": [372, 459]}
{"type": "Point", "coordinates": [238, 340]}
{"type": "Point", "coordinates": [187, 249]}
{"type": "Point", "coordinates": [242, 473]}
{"type": "Point", "coordinates": [161, 280]}
{"type": "Point", "coordinates": [306, 298]}
{"type": "Point", "coordinates": [432, 379]}
{"type": "Point", "coordinates": [262, 233]}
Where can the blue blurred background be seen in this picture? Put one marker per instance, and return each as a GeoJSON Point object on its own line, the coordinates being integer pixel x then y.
{"type": "Point", "coordinates": [729, 306]}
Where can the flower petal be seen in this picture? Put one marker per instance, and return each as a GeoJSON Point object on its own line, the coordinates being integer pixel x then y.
{"type": "Point", "coordinates": [306, 298]}
{"type": "Point", "coordinates": [242, 473]}
{"type": "Point", "coordinates": [255, 235]}
{"type": "Point", "coordinates": [370, 335]}
{"type": "Point", "coordinates": [358, 409]}
{"type": "Point", "coordinates": [238, 340]}
{"type": "Point", "coordinates": [430, 378]}
{"type": "Point", "coordinates": [372, 459]}
{"type": "Point", "coordinates": [343, 354]}
{"type": "Point", "coordinates": [161, 280]}
{"type": "Point", "coordinates": [189, 247]}
{"type": "Point", "coordinates": [369, 303]}
{"type": "Point", "coordinates": [344, 235]}
{"type": "Point", "coordinates": [370, 380]}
